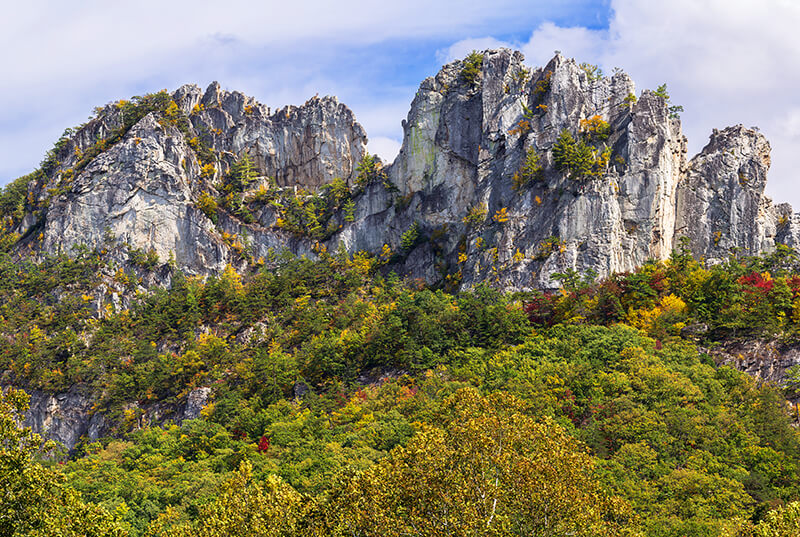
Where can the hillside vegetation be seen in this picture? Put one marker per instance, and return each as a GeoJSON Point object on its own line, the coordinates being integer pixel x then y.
{"type": "Point", "coordinates": [348, 402]}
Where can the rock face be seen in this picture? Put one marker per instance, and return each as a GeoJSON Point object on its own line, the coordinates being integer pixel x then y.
{"type": "Point", "coordinates": [137, 193]}
{"type": "Point", "coordinates": [306, 146]}
{"type": "Point", "coordinates": [464, 143]}
{"type": "Point", "coordinates": [766, 360]}
{"type": "Point", "coordinates": [721, 203]}
{"type": "Point", "coordinates": [460, 183]}
{"type": "Point", "coordinates": [63, 417]}
{"type": "Point", "coordinates": [141, 194]}
{"type": "Point", "coordinates": [67, 417]}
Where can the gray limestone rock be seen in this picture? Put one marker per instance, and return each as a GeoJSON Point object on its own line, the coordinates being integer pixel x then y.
{"type": "Point", "coordinates": [141, 193]}
{"type": "Point", "coordinates": [721, 204]}
{"type": "Point", "coordinates": [62, 417]}
{"type": "Point", "coordinates": [765, 360]}
{"type": "Point", "coordinates": [195, 402]}
{"type": "Point", "coordinates": [464, 142]}
{"type": "Point", "coordinates": [70, 417]}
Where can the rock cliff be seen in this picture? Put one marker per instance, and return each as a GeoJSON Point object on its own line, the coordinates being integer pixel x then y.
{"type": "Point", "coordinates": [68, 417]}
{"type": "Point", "coordinates": [721, 204]}
{"type": "Point", "coordinates": [479, 182]}
{"type": "Point", "coordinates": [464, 143]}
{"type": "Point", "coordinates": [141, 192]}
{"type": "Point", "coordinates": [765, 360]}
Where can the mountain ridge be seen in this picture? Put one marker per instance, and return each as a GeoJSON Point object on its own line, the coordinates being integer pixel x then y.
{"type": "Point", "coordinates": [451, 209]}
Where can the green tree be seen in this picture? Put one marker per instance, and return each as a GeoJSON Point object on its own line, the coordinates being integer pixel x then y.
{"type": "Point", "coordinates": [674, 110]}
{"type": "Point", "coordinates": [530, 171]}
{"type": "Point", "coordinates": [593, 72]}
{"type": "Point", "coordinates": [472, 67]}
{"type": "Point", "coordinates": [369, 170]}
{"type": "Point", "coordinates": [243, 173]}
{"type": "Point", "coordinates": [244, 508]}
{"type": "Point", "coordinates": [576, 158]}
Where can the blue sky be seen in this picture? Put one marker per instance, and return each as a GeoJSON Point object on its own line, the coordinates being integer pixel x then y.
{"type": "Point", "coordinates": [726, 62]}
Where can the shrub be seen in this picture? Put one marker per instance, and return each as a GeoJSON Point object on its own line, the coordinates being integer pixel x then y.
{"type": "Point", "coordinates": [203, 151]}
{"type": "Point", "coordinates": [501, 216]}
{"type": "Point", "coordinates": [628, 101]}
{"type": "Point", "coordinates": [476, 215]}
{"type": "Point", "coordinates": [472, 67]}
{"type": "Point", "coordinates": [579, 159]}
{"type": "Point", "coordinates": [542, 86]}
{"type": "Point", "coordinates": [336, 192]}
{"type": "Point", "coordinates": [147, 260]}
{"type": "Point", "coordinates": [410, 238]}
{"type": "Point", "coordinates": [661, 91]}
{"type": "Point", "coordinates": [207, 171]}
{"type": "Point", "coordinates": [523, 127]}
{"type": "Point", "coordinates": [530, 171]}
{"type": "Point", "coordinates": [234, 203]}
{"type": "Point", "coordinates": [522, 76]}
{"type": "Point", "coordinates": [548, 246]}
{"type": "Point", "coordinates": [208, 205]}
{"type": "Point", "coordinates": [601, 162]}
{"type": "Point", "coordinates": [312, 215]}
{"type": "Point", "coordinates": [593, 72]}
{"type": "Point", "coordinates": [595, 128]}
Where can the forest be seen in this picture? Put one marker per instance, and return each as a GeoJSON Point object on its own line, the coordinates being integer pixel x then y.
{"type": "Point", "coordinates": [348, 401]}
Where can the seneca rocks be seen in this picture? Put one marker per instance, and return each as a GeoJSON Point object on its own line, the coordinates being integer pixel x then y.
{"type": "Point", "coordinates": [457, 206]}
{"type": "Point", "coordinates": [452, 183]}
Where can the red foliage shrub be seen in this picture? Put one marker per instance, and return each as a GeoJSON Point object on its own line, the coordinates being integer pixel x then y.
{"type": "Point", "coordinates": [794, 285]}
{"type": "Point", "coordinates": [755, 283]}
{"type": "Point", "coordinates": [540, 309]}
{"type": "Point", "coordinates": [658, 281]}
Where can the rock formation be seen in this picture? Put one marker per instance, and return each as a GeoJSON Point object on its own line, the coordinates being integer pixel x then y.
{"type": "Point", "coordinates": [720, 201]}
{"type": "Point", "coordinates": [460, 180]}
{"type": "Point", "coordinates": [142, 192]}
{"type": "Point", "coordinates": [67, 417]}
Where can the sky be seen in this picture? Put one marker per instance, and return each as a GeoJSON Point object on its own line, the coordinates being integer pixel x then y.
{"type": "Point", "coordinates": [726, 62]}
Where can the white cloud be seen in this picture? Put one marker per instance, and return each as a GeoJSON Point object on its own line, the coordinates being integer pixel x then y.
{"type": "Point", "coordinates": [63, 58]}
{"type": "Point", "coordinates": [790, 126]}
{"type": "Point", "coordinates": [577, 43]}
{"type": "Point", "coordinates": [725, 61]}
{"type": "Point", "coordinates": [386, 148]}
{"type": "Point", "coordinates": [460, 49]}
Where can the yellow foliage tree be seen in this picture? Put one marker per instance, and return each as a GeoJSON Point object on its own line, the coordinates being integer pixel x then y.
{"type": "Point", "coordinates": [244, 508]}
{"type": "Point", "coordinates": [491, 470]}
{"type": "Point", "coordinates": [666, 318]}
